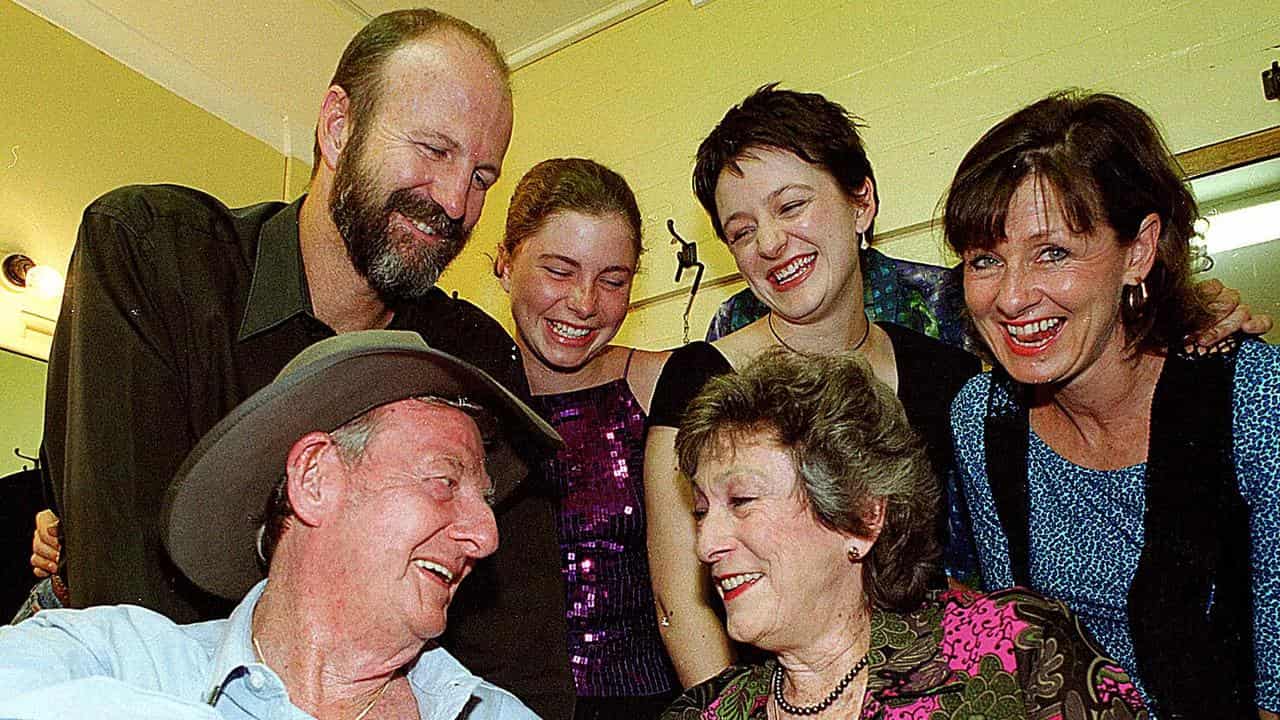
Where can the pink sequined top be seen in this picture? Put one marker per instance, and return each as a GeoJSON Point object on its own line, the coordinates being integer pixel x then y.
{"type": "Point", "coordinates": [614, 646]}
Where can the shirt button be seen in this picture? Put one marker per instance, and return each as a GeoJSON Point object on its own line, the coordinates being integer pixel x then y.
{"type": "Point", "coordinates": [257, 680]}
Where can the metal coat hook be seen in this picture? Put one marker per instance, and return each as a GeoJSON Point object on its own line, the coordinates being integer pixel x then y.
{"type": "Point", "coordinates": [686, 257]}
{"type": "Point", "coordinates": [18, 452]}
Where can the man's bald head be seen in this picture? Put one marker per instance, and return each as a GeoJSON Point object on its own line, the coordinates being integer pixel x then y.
{"type": "Point", "coordinates": [360, 70]}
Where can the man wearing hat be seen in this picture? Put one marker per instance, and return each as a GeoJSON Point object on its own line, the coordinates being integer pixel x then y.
{"type": "Point", "coordinates": [362, 477]}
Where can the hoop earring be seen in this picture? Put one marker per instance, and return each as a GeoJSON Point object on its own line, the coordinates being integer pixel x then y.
{"type": "Point", "coordinates": [262, 532]}
{"type": "Point", "coordinates": [1134, 298]}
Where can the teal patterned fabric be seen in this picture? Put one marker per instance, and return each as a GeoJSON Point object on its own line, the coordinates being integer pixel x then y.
{"type": "Point", "coordinates": [925, 298]}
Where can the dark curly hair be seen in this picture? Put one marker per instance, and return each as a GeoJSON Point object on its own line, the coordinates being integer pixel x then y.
{"type": "Point", "coordinates": [807, 125]}
{"type": "Point", "coordinates": [851, 445]}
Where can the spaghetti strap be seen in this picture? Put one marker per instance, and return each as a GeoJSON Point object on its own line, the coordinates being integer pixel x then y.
{"type": "Point", "coordinates": [626, 369]}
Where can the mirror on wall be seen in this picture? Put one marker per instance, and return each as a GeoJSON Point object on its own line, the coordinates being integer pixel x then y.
{"type": "Point", "coordinates": [1240, 208]}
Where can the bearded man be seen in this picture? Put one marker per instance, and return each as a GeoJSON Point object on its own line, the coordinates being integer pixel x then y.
{"type": "Point", "coordinates": [177, 308]}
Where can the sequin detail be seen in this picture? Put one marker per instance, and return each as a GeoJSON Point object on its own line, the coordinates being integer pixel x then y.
{"type": "Point", "coordinates": [614, 646]}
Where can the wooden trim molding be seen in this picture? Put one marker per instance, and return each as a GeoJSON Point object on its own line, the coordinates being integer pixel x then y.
{"type": "Point", "coordinates": [683, 291]}
{"type": "Point", "coordinates": [577, 31]}
{"type": "Point", "coordinates": [1229, 154]}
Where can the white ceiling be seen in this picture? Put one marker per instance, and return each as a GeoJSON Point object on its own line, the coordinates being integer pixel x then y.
{"type": "Point", "coordinates": [263, 66]}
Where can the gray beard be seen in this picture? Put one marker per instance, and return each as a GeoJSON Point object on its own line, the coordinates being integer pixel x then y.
{"type": "Point", "coordinates": [397, 267]}
{"type": "Point", "coordinates": [408, 270]}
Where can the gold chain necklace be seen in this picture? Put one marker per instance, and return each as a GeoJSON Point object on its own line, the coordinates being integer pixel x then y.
{"type": "Point", "coordinates": [866, 333]}
{"type": "Point", "coordinates": [257, 649]}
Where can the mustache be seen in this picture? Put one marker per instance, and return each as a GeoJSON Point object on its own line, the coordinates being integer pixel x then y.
{"type": "Point", "coordinates": [426, 211]}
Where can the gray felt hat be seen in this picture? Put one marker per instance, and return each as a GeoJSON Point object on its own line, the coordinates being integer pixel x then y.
{"type": "Point", "coordinates": [214, 507]}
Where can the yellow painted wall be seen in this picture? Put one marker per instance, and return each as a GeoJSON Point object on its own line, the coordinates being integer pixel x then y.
{"type": "Point", "coordinates": [21, 409]}
{"type": "Point", "coordinates": [928, 77]}
{"type": "Point", "coordinates": [75, 124]}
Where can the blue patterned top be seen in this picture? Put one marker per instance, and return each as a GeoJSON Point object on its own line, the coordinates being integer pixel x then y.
{"type": "Point", "coordinates": [1086, 530]}
{"type": "Point", "coordinates": [926, 298]}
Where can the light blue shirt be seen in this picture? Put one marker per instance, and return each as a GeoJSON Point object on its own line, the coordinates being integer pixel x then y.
{"type": "Point", "coordinates": [128, 662]}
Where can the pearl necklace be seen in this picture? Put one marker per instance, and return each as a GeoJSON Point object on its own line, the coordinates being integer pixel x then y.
{"type": "Point", "coordinates": [832, 696]}
{"type": "Point", "coordinates": [257, 648]}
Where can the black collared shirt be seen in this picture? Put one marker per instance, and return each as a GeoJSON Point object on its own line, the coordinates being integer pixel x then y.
{"type": "Point", "coordinates": [176, 309]}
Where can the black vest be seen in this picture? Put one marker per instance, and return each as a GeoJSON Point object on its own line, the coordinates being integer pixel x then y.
{"type": "Point", "coordinates": [1190, 606]}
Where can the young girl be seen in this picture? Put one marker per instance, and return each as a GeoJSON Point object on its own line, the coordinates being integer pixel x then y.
{"type": "Point", "coordinates": [567, 260]}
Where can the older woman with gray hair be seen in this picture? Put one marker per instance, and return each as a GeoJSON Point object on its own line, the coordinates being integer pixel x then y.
{"type": "Point", "coordinates": [815, 514]}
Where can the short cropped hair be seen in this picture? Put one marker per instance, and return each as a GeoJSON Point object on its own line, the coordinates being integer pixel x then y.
{"type": "Point", "coordinates": [850, 444]}
{"type": "Point", "coordinates": [568, 185]}
{"type": "Point", "coordinates": [1108, 164]}
{"type": "Point", "coordinates": [359, 70]}
{"type": "Point", "coordinates": [807, 125]}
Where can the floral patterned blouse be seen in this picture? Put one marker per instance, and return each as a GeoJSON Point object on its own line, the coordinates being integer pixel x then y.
{"type": "Point", "coordinates": [1009, 654]}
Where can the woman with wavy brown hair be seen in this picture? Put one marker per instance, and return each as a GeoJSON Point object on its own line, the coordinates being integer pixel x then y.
{"type": "Point", "coordinates": [1106, 463]}
{"type": "Point", "coordinates": [568, 256]}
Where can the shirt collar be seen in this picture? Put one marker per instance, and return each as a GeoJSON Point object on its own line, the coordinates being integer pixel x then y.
{"type": "Point", "coordinates": [235, 648]}
{"type": "Point", "coordinates": [435, 676]}
{"type": "Point", "coordinates": [278, 290]}
{"type": "Point", "coordinates": [437, 669]}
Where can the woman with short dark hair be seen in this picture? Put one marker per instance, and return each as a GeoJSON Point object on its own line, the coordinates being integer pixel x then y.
{"type": "Point", "coordinates": [787, 183]}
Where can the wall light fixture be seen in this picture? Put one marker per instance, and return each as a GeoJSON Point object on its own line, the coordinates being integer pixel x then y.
{"type": "Point", "coordinates": [21, 272]}
{"type": "Point", "coordinates": [1241, 227]}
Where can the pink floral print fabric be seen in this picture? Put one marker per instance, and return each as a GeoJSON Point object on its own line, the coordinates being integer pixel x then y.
{"type": "Point", "coordinates": [1009, 655]}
